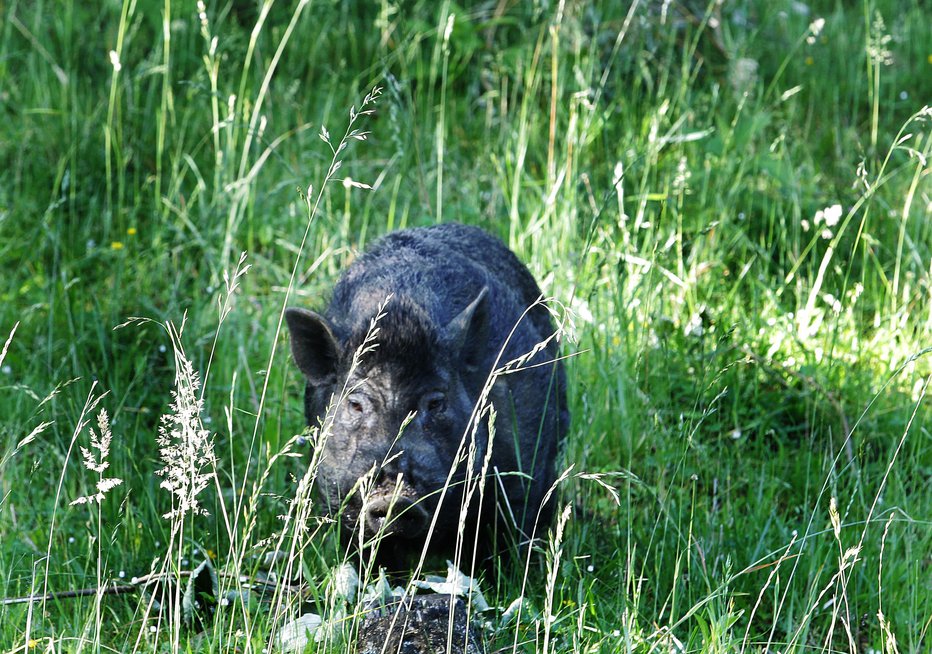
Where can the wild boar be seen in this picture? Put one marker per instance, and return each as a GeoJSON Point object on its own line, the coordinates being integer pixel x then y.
{"type": "Point", "coordinates": [460, 305]}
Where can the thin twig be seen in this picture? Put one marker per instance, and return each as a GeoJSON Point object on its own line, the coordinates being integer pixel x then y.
{"type": "Point", "coordinates": [137, 584]}
{"type": "Point", "coordinates": [69, 594]}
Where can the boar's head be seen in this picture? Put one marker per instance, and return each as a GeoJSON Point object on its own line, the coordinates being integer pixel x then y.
{"type": "Point", "coordinates": [405, 409]}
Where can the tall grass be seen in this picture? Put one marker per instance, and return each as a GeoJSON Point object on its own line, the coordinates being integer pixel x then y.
{"type": "Point", "coordinates": [733, 199]}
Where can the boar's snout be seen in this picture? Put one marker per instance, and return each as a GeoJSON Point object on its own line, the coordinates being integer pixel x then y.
{"type": "Point", "coordinates": [393, 514]}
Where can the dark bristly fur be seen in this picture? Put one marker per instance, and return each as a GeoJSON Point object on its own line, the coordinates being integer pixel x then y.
{"type": "Point", "coordinates": [457, 294]}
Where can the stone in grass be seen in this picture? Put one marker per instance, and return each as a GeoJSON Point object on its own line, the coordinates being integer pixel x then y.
{"type": "Point", "coordinates": [419, 625]}
{"type": "Point", "coordinates": [296, 635]}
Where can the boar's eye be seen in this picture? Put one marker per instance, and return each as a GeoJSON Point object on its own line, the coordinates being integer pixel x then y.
{"type": "Point", "coordinates": [435, 402]}
{"type": "Point", "coordinates": [355, 405]}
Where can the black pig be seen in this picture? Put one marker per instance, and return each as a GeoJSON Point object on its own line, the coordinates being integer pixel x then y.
{"type": "Point", "coordinates": [455, 313]}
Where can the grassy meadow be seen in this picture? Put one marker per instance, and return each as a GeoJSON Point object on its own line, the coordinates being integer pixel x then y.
{"type": "Point", "coordinates": [733, 199]}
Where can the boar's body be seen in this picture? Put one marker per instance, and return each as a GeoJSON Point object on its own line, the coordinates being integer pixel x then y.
{"type": "Point", "coordinates": [457, 300]}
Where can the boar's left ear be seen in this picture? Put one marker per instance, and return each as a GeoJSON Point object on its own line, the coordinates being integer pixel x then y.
{"type": "Point", "coordinates": [468, 333]}
{"type": "Point", "coordinates": [315, 348]}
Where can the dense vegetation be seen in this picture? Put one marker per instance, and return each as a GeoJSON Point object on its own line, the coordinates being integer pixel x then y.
{"type": "Point", "coordinates": [732, 198]}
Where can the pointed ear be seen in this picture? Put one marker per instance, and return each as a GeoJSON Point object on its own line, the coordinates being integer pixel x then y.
{"type": "Point", "coordinates": [468, 333]}
{"type": "Point", "coordinates": [315, 348]}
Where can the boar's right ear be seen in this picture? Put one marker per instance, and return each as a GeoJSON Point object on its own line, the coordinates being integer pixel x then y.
{"type": "Point", "coordinates": [313, 344]}
{"type": "Point", "coordinates": [468, 333]}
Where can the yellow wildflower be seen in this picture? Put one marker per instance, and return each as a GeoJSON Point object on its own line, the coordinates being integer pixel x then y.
{"type": "Point", "coordinates": [116, 245]}
{"type": "Point", "coordinates": [809, 61]}
{"type": "Point", "coordinates": [131, 231]}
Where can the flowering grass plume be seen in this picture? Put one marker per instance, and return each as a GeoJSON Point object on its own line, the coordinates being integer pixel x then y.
{"type": "Point", "coordinates": [100, 441]}
{"type": "Point", "coordinates": [186, 448]}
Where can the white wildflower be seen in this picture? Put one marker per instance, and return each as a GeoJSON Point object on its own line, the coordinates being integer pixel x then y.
{"type": "Point", "coordinates": [832, 301]}
{"type": "Point", "coordinates": [694, 326]}
{"type": "Point", "coordinates": [858, 290]}
{"type": "Point", "coordinates": [815, 28]}
{"type": "Point", "coordinates": [829, 215]}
